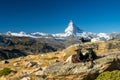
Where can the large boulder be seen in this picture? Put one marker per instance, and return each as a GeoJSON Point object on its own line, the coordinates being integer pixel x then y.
{"type": "Point", "coordinates": [80, 71]}
{"type": "Point", "coordinates": [99, 47]}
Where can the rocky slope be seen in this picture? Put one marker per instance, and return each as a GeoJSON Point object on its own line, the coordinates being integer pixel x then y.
{"type": "Point", "coordinates": [52, 66]}
{"type": "Point", "coordinates": [9, 54]}
{"type": "Point", "coordinates": [83, 71]}
{"type": "Point", "coordinates": [12, 46]}
{"type": "Point", "coordinates": [100, 47]}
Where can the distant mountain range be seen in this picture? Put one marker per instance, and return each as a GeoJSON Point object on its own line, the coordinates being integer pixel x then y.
{"type": "Point", "coordinates": [21, 44]}
{"type": "Point", "coordinates": [71, 30]}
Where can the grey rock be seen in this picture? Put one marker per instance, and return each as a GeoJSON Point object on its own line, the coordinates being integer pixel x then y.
{"type": "Point", "coordinates": [24, 74]}
{"type": "Point", "coordinates": [39, 73]}
{"type": "Point", "coordinates": [16, 64]}
{"type": "Point", "coordinates": [5, 62]}
{"type": "Point", "coordinates": [38, 69]}
{"type": "Point", "coordinates": [108, 62]}
{"type": "Point", "coordinates": [30, 64]}
{"type": "Point", "coordinates": [26, 78]}
{"type": "Point", "coordinates": [40, 78]}
{"type": "Point", "coordinates": [40, 63]}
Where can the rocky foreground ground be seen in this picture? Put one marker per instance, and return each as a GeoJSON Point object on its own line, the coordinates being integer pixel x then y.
{"type": "Point", "coordinates": [52, 66]}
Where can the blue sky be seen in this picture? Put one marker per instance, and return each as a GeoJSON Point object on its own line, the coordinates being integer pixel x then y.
{"type": "Point", "coordinates": [52, 16]}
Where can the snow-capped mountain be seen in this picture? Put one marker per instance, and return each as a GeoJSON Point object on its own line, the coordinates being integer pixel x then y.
{"type": "Point", "coordinates": [20, 34]}
{"type": "Point", "coordinates": [71, 30]}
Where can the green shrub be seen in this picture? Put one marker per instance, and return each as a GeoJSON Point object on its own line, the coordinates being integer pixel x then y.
{"type": "Point", "coordinates": [113, 75]}
{"type": "Point", "coordinates": [5, 71]}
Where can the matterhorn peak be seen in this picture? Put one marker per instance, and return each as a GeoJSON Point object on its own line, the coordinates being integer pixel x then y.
{"type": "Point", "coordinates": [72, 29]}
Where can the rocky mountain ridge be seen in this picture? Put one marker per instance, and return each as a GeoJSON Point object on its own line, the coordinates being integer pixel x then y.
{"type": "Point", "coordinates": [12, 46]}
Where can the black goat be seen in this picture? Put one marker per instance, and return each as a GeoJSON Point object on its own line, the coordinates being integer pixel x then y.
{"type": "Point", "coordinates": [77, 57]}
{"type": "Point", "coordinates": [90, 55]}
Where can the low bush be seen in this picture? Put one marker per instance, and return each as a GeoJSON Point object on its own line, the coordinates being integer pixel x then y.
{"type": "Point", "coordinates": [113, 75]}
{"type": "Point", "coordinates": [5, 71]}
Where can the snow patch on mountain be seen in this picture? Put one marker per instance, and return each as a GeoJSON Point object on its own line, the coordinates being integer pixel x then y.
{"type": "Point", "coordinates": [38, 33]}
{"type": "Point", "coordinates": [72, 29]}
{"type": "Point", "coordinates": [114, 35]}
{"type": "Point", "coordinates": [60, 35]}
{"type": "Point", "coordinates": [104, 35]}
{"type": "Point", "coordinates": [20, 34]}
{"type": "Point", "coordinates": [87, 35]}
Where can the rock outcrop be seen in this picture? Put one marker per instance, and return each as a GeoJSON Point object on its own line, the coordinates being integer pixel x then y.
{"type": "Point", "coordinates": [98, 47]}
{"type": "Point", "coordinates": [83, 71]}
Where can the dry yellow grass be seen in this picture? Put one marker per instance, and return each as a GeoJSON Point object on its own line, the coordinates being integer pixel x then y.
{"type": "Point", "coordinates": [46, 59]}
